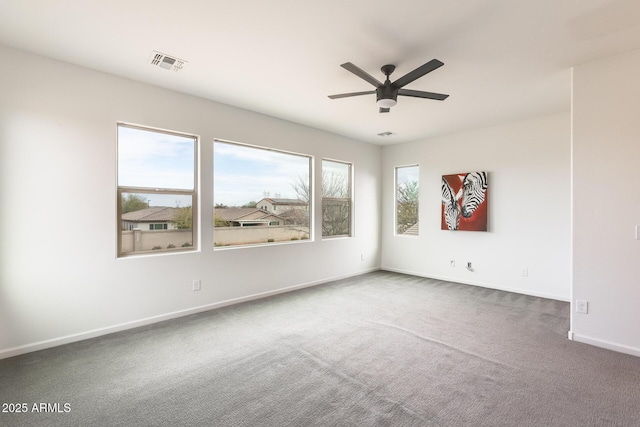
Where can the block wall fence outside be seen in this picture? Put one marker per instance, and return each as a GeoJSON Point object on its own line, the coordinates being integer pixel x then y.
{"type": "Point", "coordinates": [146, 240]}
{"type": "Point", "coordinates": [226, 236]}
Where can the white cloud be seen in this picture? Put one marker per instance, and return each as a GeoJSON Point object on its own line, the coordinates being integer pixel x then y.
{"type": "Point", "coordinates": [155, 159]}
{"type": "Point", "coordinates": [243, 174]}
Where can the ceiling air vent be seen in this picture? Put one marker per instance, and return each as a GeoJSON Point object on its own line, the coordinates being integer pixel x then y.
{"type": "Point", "coordinates": [387, 133]}
{"type": "Point", "coordinates": [167, 62]}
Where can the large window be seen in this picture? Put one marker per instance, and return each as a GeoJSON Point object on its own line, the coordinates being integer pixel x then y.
{"type": "Point", "coordinates": [157, 199]}
{"type": "Point", "coordinates": [407, 189]}
{"type": "Point", "coordinates": [336, 198]}
{"type": "Point", "coordinates": [261, 195]}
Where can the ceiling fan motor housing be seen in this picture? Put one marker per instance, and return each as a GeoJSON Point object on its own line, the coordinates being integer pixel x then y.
{"type": "Point", "coordinates": [386, 96]}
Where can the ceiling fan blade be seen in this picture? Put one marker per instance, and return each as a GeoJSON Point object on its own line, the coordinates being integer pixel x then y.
{"type": "Point", "coordinates": [385, 110]}
{"type": "Point", "coordinates": [421, 94]}
{"type": "Point", "coordinates": [417, 73]}
{"type": "Point", "coordinates": [361, 73]}
{"type": "Point", "coordinates": [345, 95]}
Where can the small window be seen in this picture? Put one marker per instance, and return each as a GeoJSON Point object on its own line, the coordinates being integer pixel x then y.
{"type": "Point", "coordinates": [156, 191]}
{"type": "Point", "coordinates": [336, 198]}
{"type": "Point", "coordinates": [407, 191]}
{"type": "Point", "coordinates": [245, 173]}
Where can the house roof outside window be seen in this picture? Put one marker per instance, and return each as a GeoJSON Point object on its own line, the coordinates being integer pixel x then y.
{"type": "Point", "coordinates": [151, 214]}
{"type": "Point", "coordinates": [247, 215]}
{"type": "Point", "coordinates": [413, 230]}
{"type": "Point", "coordinates": [285, 202]}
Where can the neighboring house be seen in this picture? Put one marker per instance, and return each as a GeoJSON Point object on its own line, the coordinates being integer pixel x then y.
{"type": "Point", "coordinates": [152, 218]}
{"type": "Point", "coordinates": [248, 217]}
{"type": "Point", "coordinates": [281, 205]}
{"type": "Point", "coordinates": [413, 230]}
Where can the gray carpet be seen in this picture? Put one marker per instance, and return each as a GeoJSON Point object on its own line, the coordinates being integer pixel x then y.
{"type": "Point", "coordinates": [381, 349]}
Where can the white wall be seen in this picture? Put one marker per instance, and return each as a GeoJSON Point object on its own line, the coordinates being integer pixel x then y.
{"type": "Point", "coordinates": [606, 202]}
{"type": "Point", "coordinates": [57, 169]}
{"type": "Point", "coordinates": [528, 213]}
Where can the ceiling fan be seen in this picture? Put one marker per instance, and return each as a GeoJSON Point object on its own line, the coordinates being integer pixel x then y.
{"type": "Point", "coordinates": [387, 92]}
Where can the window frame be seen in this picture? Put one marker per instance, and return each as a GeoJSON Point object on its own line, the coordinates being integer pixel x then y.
{"type": "Point", "coordinates": [193, 193]}
{"type": "Point", "coordinates": [350, 199]}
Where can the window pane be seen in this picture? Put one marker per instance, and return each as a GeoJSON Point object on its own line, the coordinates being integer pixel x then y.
{"type": "Point", "coordinates": [155, 222]}
{"type": "Point", "coordinates": [260, 195]}
{"type": "Point", "coordinates": [157, 197]}
{"type": "Point", "coordinates": [407, 189]}
{"type": "Point", "coordinates": [152, 159]}
{"type": "Point", "coordinates": [336, 198]}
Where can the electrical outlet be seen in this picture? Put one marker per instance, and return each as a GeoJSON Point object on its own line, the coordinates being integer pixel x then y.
{"type": "Point", "coordinates": [582, 306]}
{"type": "Point", "coordinates": [469, 267]}
{"type": "Point", "coordinates": [361, 257]}
{"type": "Point", "coordinates": [197, 285]}
{"type": "Point", "coordinates": [452, 263]}
{"type": "Point", "coordinates": [525, 272]}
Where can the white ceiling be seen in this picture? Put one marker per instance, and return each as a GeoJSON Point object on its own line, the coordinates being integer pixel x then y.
{"type": "Point", "coordinates": [504, 59]}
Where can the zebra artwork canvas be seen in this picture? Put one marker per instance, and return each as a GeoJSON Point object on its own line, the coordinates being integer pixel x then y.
{"type": "Point", "coordinates": [464, 201]}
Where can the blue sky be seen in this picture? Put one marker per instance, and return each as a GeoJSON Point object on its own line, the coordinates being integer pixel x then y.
{"type": "Point", "coordinates": [156, 160]}
{"type": "Point", "coordinates": [406, 174]}
{"type": "Point", "coordinates": [152, 159]}
{"type": "Point", "coordinates": [243, 174]}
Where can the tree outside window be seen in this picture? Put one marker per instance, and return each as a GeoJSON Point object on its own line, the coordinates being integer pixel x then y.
{"type": "Point", "coordinates": [336, 198]}
{"type": "Point", "coordinates": [407, 203]}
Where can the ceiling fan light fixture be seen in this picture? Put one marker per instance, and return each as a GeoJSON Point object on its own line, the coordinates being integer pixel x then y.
{"type": "Point", "coordinates": [386, 102]}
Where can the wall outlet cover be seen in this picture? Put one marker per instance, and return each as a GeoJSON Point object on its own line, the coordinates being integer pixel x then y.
{"type": "Point", "coordinates": [582, 306]}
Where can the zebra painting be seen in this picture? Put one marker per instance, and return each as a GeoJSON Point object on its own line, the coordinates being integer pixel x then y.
{"type": "Point", "coordinates": [474, 188]}
{"type": "Point", "coordinates": [464, 201]}
{"type": "Point", "coordinates": [450, 206]}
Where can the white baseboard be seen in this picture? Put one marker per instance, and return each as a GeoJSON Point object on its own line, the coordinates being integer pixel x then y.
{"type": "Point", "coordinates": [620, 348]}
{"type": "Point", "coordinates": [67, 339]}
{"type": "Point", "coordinates": [482, 285]}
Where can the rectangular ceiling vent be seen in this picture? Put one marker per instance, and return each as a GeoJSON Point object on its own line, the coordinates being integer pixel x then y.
{"type": "Point", "coordinates": [167, 62]}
